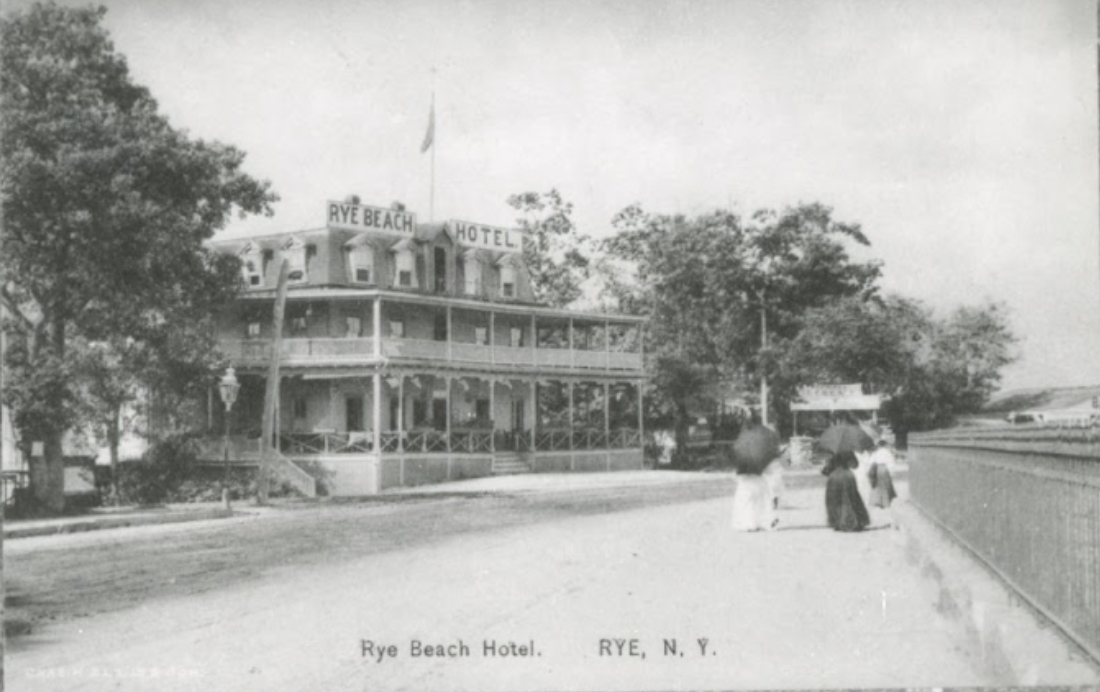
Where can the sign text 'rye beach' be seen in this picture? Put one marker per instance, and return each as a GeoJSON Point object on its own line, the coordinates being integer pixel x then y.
{"type": "Point", "coordinates": [359, 217]}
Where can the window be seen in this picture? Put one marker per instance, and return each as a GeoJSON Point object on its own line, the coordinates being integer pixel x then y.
{"type": "Point", "coordinates": [420, 412]}
{"type": "Point", "coordinates": [516, 335]}
{"type": "Point", "coordinates": [481, 336]}
{"type": "Point", "coordinates": [297, 256]}
{"type": "Point", "coordinates": [360, 260]}
{"type": "Point", "coordinates": [441, 327]}
{"type": "Point", "coordinates": [301, 409]}
{"type": "Point", "coordinates": [406, 264]}
{"type": "Point", "coordinates": [482, 409]}
{"type": "Point", "coordinates": [397, 329]}
{"type": "Point", "coordinates": [473, 275]}
{"type": "Point", "coordinates": [253, 330]}
{"type": "Point", "coordinates": [440, 264]}
{"type": "Point", "coordinates": [299, 324]}
{"type": "Point", "coordinates": [252, 268]}
{"type": "Point", "coordinates": [508, 281]}
{"type": "Point", "coordinates": [507, 276]}
{"type": "Point", "coordinates": [355, 326]}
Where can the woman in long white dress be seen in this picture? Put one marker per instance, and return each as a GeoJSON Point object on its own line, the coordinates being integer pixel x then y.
{"type": "Point", "coordinates": [753, 507]}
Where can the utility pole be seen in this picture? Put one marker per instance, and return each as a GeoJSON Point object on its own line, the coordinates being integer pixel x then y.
{"type": "Point", "coordinates": [271, 394]}
{"type": "Point", "coordinates": [763, 366]}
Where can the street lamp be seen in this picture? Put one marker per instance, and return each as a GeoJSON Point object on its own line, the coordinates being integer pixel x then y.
{"type": "Point", "coordinates": [228, 388]}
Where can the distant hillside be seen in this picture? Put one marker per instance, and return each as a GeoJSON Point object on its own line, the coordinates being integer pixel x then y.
{"type": "Point", "coordinates": [1041, 399]}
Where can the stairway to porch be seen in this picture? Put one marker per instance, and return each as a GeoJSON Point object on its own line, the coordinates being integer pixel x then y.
{"type": "Point", "coordinates": [509, 463]}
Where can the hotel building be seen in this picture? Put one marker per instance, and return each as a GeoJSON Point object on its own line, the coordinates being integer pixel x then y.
{"type": "Point", "coordinates": [414, 353]}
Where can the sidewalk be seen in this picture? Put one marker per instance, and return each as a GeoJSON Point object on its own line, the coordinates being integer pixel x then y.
{"type": "Point", "coordinates": [113, 518]}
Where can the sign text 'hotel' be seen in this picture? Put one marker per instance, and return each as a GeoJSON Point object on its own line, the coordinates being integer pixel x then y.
{"type": "Point", "coordinates": [486, 237]}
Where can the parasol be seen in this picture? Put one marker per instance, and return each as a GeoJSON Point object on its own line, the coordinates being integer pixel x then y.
{"type": "Point", "coordinates": [845, 437]}
{"type": "Point", "coordinates": [754, 449]}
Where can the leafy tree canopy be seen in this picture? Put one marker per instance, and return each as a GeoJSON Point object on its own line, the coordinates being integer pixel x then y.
{"type": "Point", "coordinates": [555, 252]}
{"type": "Point", "coordinates": [105, 205]}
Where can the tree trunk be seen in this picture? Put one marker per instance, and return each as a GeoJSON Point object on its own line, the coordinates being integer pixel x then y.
{"type": "Point", "coordinates": [47, 475]}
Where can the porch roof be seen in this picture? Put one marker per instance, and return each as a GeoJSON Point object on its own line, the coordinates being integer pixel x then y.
{"type": "Point", "coordinates": [345, 293]}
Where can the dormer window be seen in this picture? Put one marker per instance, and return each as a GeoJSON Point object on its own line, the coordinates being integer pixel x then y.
{"type": "Point", "coordinates": [508, 276]}
{"type": "Point", "coordinates": [473, 270]}
{"type": "Point", "coordinates": [297, 256]}
{"type": "Point", "coordinates": [405, 264]}
{"type": "Point", "coordinates": [252, 266]}
{"type": "Point", "coordinates": [360, 260]}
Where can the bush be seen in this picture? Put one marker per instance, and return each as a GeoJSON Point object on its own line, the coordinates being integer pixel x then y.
{"type": "Point", "coordinates": [161, 470]}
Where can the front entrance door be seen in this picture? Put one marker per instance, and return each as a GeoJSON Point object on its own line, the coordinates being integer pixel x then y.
{"type": "Point", "coordinates": [517, 415]}
{"type": "Point", "coordinates": [354, 414]}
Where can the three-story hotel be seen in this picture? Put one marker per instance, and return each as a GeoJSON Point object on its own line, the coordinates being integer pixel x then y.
{"type": "Point", "coordinates": [415, 353]}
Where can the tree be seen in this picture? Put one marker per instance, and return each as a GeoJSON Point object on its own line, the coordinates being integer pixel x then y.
{"type": "Point", "coordinates": [931, 370]}
{"type": "Point", "coordinates": [554, 251]}
{"type": "Point", "coordinates": [106, 207]}
{"type": "Point", "coordinates": [704, 282]}
{"type": "Point", "coordinates": [959, 371]}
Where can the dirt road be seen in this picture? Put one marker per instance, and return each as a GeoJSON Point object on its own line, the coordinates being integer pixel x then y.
{"type": "Point", "coordinates": [605, 587]}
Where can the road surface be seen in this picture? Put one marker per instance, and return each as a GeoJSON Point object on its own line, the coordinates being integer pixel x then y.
{"type": "Point", "coordinates": [618, 585]}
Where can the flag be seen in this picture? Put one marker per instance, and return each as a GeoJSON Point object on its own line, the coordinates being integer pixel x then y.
{"type": "Point", "coordinates": [429, 136]}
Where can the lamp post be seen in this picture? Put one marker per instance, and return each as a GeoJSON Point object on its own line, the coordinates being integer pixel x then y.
{"type": "Point", "coordinates": [228, 388]}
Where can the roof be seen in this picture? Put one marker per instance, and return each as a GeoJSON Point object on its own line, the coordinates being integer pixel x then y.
{"type": "Point", "coordinates": [300, 292]}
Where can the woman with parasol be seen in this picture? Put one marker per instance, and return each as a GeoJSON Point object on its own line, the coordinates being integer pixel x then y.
{"type": "Point", "coordinates": [755, 448]}
{"type": "Point", "coordinates": [844, 506]}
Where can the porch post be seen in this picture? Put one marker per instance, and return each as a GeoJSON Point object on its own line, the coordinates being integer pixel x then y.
{"type": "Point", "coordinates": [572, 353]}
{"type": "Point", "coordinates": [492, 415]}
{"type": "Point", "coordinates": [607, 343]}
{"type": "Point", "coordinates": [401, 413]}
{"type": "Point", "coordinates": [492, 337]}
{"type": "Point", "coordinates": [607, 413]}
{"type": "Point", "coordinates": [376, 415]}
{"type": "Point", "coordinates": [450, 337]}
{"type": "Point", "coordinates": [376, 326]}
{"type": "Point", "coordinates": [534, 413]}
{"type": "Point", "coordinates": [607, 423]}
{"type": "Point", "coordinates": [569, 385]}
{"type": "Point", "coordinates": [534, 340]}
{"type": "Point", "coordinates": [447, 379]}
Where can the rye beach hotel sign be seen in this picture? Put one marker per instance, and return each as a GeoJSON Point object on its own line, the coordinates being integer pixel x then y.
{"type": "Point", "coordinates": [360, 217]}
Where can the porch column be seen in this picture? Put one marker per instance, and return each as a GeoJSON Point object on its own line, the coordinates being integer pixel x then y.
{"type": "Point", "coordinates": [492, 337]}
{"type": "Point", "coordinates": [641, 416]}
{"type": "Point", "coordinates": [607, 413]}
{"type": "Point", "coordinates": [569, 385]}
{"type": "Point", "coordinates": [450, 336]}
{"type": "Point", "coordinates": [401, 413]}
{"type": "Point", "coordinates": [447, 429]}
{"type": "Point", "coordinates": [376, 414]}
{"type": "Point", "coordinates": [607, 423]}
{"type": "Point", "coordinates": [534, 341]}
{"type": "Point", "coordinates": [534, 413]}
{"type": "Point", "coordinates": [572, 353]}
{"type": "Point", "coordinates": [333, 420]}
{"type": "Point", "coordinates": [492, 415]}
{"type": "Point", "coordinates": [376, 326]}
{"type": "Point", "coordinates": [607, 343]}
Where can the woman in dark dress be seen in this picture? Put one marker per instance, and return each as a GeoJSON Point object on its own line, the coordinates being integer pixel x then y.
{"type": "Point", "coordinates": [843, 505]}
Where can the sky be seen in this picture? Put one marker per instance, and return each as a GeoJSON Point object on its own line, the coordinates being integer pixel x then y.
{"type": "Point", "coordinates": [962, 135]}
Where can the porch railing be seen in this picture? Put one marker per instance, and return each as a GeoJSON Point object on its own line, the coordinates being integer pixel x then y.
{"type": "Point", "coordinates": [471, 441]}
{"type": "Point", "coordinates": [327, 349]}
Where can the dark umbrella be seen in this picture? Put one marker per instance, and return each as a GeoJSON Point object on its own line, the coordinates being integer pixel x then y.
{"type": "Point", "coordinates": [754, 449]}
{"type": "Point", "coordinates": [845, 437]}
